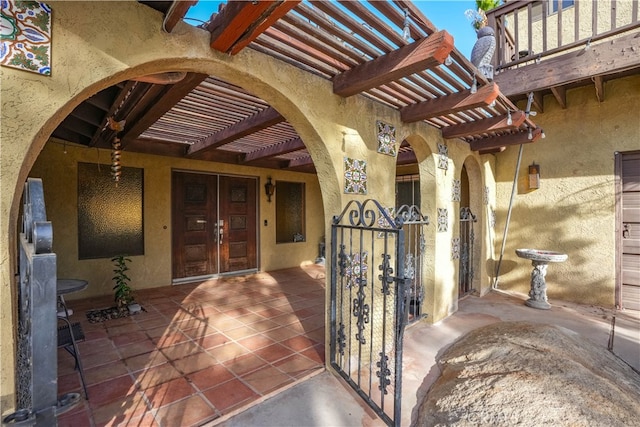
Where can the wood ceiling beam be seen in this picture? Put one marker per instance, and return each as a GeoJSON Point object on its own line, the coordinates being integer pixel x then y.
{"type": "Point", "coordinates": [300, 162]}
{"type": "Point", "coordinates": [262, 120]}
{"type": "Point", "coordinates": [241, 22]}
{"type": "Point", "coordinates": [493, 124]}
{"type": "Point", "coordinates": [449, 104]}
{"type": "Point", "coordinates": [560, 93]}
{"type": "Point", "coordinates": [176, 12]}
{"type": "Point", "coordinates": [598, 81]}
{"type": "Point", "coordinates": [601, 59]}
{"type": "Point", "coordinates": [406, 158]}
{"type": "Point", "coordinates": [498, 141]}
{"type": "Point", "coordinates": [406, 60]}
{"type": "Point", "coordinates": [538, 101]}
{"type": "Point", "coordinates": [171, 97]}
{"type": "Point", "coordinates": [285, 147]}
{"type": "Point", "coordinates": [492, 150]}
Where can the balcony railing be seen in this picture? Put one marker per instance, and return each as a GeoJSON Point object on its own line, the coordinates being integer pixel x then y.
{"type": "Point", "coordinates": [530, 30]}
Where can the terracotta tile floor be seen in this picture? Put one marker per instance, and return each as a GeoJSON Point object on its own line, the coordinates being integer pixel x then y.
{"type": "Point", "coordinates": [199, 351]}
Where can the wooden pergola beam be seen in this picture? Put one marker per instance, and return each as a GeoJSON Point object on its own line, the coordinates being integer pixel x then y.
{"type": "Point", "coordinates": [406, 158]}
{"type": "Point", "coordinates": [300, 162]}
{"type": "Point", "coordinates": [464, 100]}
{"type": "Point", "coordinates": [176, 12]}
{"type": "Point", "coordinates": [494, 142]}
{"type": "Point", "coordinates": [262, 120]}
{"type": "Point", "coordinates": [560, 93]}
{"type": "Point", "coordinates": [241, 22]}
{"type": "Point", "coordinates": [415, 57]}
{"type": "Point", "coordinates": [493, 124]}
{"type": "Point", "coordinates": [289, 146]}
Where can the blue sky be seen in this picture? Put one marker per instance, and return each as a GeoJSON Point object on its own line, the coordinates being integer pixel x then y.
{"type": "Point", "coordinates": [445, 14]}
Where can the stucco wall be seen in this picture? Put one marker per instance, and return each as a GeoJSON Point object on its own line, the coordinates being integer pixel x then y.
{"type": "Point", "coordinates": [574, 210]}
{"type": "Point", "coordinates": [98, 44]}
{"type": "Point", "coordinates": [58, 171]}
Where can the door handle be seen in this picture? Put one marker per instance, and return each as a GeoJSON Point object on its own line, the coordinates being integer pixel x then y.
{"type": "Point", "coordinates": [201, 221]}
{"type": "Point", "coordinates": [625, 231]}
{"type": "Point", "coordinates": [221, 229]}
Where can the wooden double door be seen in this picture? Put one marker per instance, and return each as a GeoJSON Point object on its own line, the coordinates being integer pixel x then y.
{"type": "Point", "coordinates": [214, 225]}
{"type": "Point", "coordinates": [628, 226]}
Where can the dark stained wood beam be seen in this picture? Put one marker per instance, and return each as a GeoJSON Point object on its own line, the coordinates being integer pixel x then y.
{"type": "Point", "coordinates": [598, 81]}
{"type": "Point", "coordinates": [262, 120]}
{"type": "Point", "coordinates": [538, 101]}
{"type": "Point", "coordinates": [240, 22]}
{"type": "Point", "coordinates": [560, 93]}
{"type": "Point", "coordinates": [171, 97]}
{"type": "Point", "coordinates": [464, 100]}
{"type": "Point", "coordinates": [289, 146]}
{"type": "Point", "coordinates": [176, 12]}
{"type": "Point", "coordinates": [418, 56]}
{"type": "Point", "coordinates": [601, 59]}
{"type": "Point", "coordinates": [493, 124]}
{"type": "Point", "coordinates": [300, 162]}
{"type": "Point", "coordinates": [406, 158]}
{"type": "Point", "coordinates": [281, 9]}
{"type": "Point", "coordinates": [492, 150]}
{"type": "Point", "coordinates": [494, 142]}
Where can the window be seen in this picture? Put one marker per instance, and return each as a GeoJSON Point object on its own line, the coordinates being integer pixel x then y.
{"type": "Point", "coordinates": [552, 7]}
{"type": "Point", "coordinates": [290, 212]}
{"type": "Point", "coordinates": [407, 190]}
{"type": "Point", "coordinates": [109, 216]}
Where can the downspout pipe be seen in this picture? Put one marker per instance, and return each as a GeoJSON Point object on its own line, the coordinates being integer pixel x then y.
{"type": "Point", "coordinates": [513, 195]}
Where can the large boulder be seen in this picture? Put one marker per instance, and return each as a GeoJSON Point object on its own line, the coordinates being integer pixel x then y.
{"type": "Point", "coordinates": [518, 373]}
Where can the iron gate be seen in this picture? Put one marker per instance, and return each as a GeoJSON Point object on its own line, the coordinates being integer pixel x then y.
{"type": "Point", "coordinates": [465, 276]}
{"type": "Point", "coordinates": [369, 304]}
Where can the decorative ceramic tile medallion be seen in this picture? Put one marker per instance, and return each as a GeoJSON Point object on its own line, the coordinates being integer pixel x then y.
{"type": "Point", "coordinates": [455, 191]}
{"type": "Point", "coordinates": [357, 269]}
{"type": "Point", "coordinates": [383, 222]}
{"type": "Point", "coordinates": [386, 139]}
{"type": "Point", "coordinates": [455, 248]}
{"type": "Point", "coordinates": [25, 35]}
{"type": "Point", "coordinates": [443, 159]}
{"type": "Point", "coordinates": [486, 195]}
{"type": "Point", "coordinates": [355, 176]}
{"type": "Point", "coordinates": [443, 219]}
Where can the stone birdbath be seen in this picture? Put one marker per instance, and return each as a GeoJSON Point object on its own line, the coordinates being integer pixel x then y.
{"type": "Point", "coordinates": [540, 260]}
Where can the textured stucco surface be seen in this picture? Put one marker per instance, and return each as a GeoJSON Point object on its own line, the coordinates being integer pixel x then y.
{"type": "Point", "coordinates": [98, 44]}
{"type": "Point", "coordinates": [573, 212]}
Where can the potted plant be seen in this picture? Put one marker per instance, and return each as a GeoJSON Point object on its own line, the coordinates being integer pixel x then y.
{"type": "Point", "coordinates": [123, 294]}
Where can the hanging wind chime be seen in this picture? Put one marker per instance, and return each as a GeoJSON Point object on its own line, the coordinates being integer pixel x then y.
{"type": "Point", "coordinates": [116, 168]}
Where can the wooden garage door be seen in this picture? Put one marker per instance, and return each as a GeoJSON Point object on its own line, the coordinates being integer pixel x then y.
{"type": "Point", "coordinates": [628, 283]}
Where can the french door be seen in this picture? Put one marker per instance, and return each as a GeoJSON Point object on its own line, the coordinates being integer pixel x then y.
{"type": "Point", "coordinates": [214, 225]}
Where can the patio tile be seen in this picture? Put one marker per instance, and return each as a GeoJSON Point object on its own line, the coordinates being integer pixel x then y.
{"type": "Point", "coordinates": [255, 342]}
{"type": "Point", "coordinates": [145, 361]}
{"type": "Point", "coordinates": [209, 377]}
{"type": "Point", "coordinates": [181, 350]}
{"type": "Point", "coordinates": [274, 352]}
{"type": "Point", "coordinates": [243, 364]}
{"type": "Point", "coordinates": [212, 340]}
{"type": "Point", "coordinates": [137, 348]}
{"type": "Point", "coordinates": [75, 419]}
{"type": "Point", "coordinates": [264, 325]}
{"type": "Point", "coordinates": [105, 372]}
{"type": "Point", "coordinates": [228, 351]}
{"type": "Point", "coordinates": [128, 338]}
{"type": "Point", "coordinates": [297, 366]}
{"type": "Point", "coordinates": [125, 328]}
{"type": "Point", "coordinates": [169, 392]}
{"type": "Point", "coordinates": [159, 331]}
{"type": "Point", "coordinates": [99, 345]}
{"type": "Point", "coordinates": [171, 337]}
{"type": "Point", "coordinates": [299, 343]}
{"type": "Point", "coordinates": [315, 353]}
{"type": "Point", "coordinates": [191, 411]}
{"type": "Point", "coordinates": [98, 359]}
{"type": "Point", "coordinates": [282, 333]}
{"type": "Point", "coordinates": [238, 333]}
{"type": "Point", "coordinates": [69, 383]}
{"type": "Point", "coordinates": [201, 330]}
{"type": "Point", "coordinates": [156, 375]}
{"type": "Point", "coordinates": [120, 411]}
{"type": "Point", "coordinates": [194, 362]}
{"type": "Point", "coordinates": [108, 391]}
{"type": "Point", "coordinates": [230, 395]}
{"type": "Point", "coordinates": [266, 379]}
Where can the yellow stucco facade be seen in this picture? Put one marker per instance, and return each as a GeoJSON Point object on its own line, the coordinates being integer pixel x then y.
{"type": "Point", "coordinates": [98, 44]}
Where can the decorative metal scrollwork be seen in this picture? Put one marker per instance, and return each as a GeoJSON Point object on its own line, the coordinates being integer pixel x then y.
{"type": "Point", "coordinates": [342, 261]}
{"type": "Point", "coordinates": [341, 339]}
{"type": "Point", "coordinates": [384, 373]}
{"type": "Point", "coordinates": [360, 215]}
{"type": "Point", "coordinates": [361, 312]}
{"type": "Point", "coordinates": [386, 277]}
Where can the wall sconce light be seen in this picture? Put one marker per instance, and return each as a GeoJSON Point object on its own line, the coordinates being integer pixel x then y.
{"type": "Point", "coordinates": [269, 189]}
{"type": "Point", "coordinates": [534, 176]}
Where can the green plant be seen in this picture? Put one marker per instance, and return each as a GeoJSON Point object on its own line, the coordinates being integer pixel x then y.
{"type": "Point", "coordinates": [122, 290]}
{"type": "Point", "coordinates": [478, 17]}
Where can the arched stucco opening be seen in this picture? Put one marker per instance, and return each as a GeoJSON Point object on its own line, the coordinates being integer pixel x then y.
{"type": "Point", "coordinates": [472, 195]}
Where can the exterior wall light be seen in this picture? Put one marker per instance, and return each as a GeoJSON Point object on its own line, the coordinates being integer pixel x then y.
{"type": "Point", "coordinates": [534, 176]}
{"type": "Point", "coordinates": [269, 189]}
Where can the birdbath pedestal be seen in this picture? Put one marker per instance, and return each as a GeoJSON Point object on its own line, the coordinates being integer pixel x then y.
{"type": "Point", "coordinates": [540, 260]}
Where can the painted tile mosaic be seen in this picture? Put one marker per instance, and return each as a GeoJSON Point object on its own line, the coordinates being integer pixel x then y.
{"type": "Point", "coordinates": [455, 248]}
{"type": "Point", "coordinates": [443, 159]}
{"type": "Point", "coordinates": [386, 139]}
{"type": "Point", "coordinates": [25, 31]}
{"type": "Point", "coordinates": [357, 269]}
{"type": "Point", "coordinates": [355, 176]}
{"type": "Point", "coordinates": [455, 191]}
{"type": "Point", "coordinates": [382, 220]}
{"type": "Point", "coordinates": [443, 220]}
